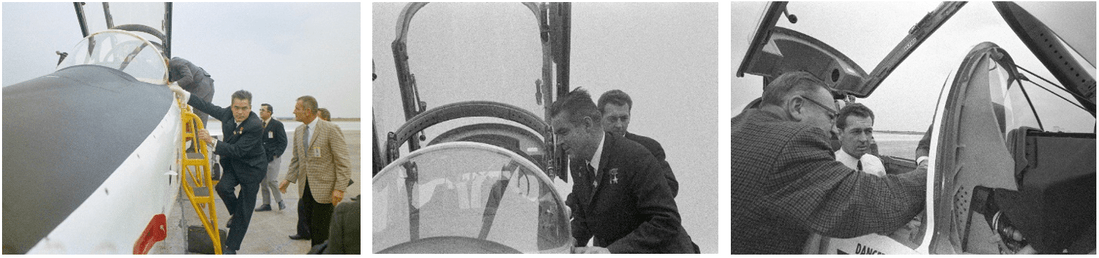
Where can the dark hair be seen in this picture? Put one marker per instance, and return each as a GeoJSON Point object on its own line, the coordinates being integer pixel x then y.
{"type": "Point", "coordinates": [269, 108]}
{"type": "Point", "coordinates": [309, 102]}
{"type": "Point", "coordinates": [856, 109]}
{"type": "Point", "coordinates": [789, 84]}
{"type": "Point", "coordinates": [576, 104]}
{"type": "Point", "coordinates": [616, 97]}
{"type": "Point", "coordinates": [324, 114]}
{"type": "Point", "coordinates": [243, 94]}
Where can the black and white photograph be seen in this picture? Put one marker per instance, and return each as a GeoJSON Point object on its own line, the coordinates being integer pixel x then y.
{"type": "Point", "coordinates": [913, 128]}
{"type": "Point", "coordinates": [181, 128]}
{"type": "Point", "coordinates": [545, 128]}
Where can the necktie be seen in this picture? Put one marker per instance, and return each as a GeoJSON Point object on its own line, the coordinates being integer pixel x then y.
{"type": "Point", "coordinates": [860, 165]}
{"type": "Point", "coordinates": [305, 142]}
{"type": "Point", "coordinates": [264, 124]}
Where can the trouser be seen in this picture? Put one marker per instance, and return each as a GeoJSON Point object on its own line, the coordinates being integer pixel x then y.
{"type": "Point", "coordinates": [270, 184]}
{"type": "Point", "coordinates": [240, 207]}
{"type": "Point", "coordinates": [303, 218]}
{"type": "Point", "coordinates": [319, 217]}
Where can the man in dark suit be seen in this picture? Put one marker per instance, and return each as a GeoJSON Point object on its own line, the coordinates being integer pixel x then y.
{"type": "Point", "coordinates": [242, 159]}
{"type": "Point", "coordinates": [274, 142]}
{"type": "Point", "coordinates": [615, 106]}
{"type": "Point", "coordinates": [619, 195]}
{"type": "Point", "coordinates": [194, 79]}
{"type": "Point", "coordinates": [343, 236]}
{"type": "Point", "coordinates": [786, 182]}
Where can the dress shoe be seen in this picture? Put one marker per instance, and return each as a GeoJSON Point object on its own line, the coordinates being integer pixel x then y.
{"type": "Point", "coordinates": [282, 206]}
{"type": "Point", "coordinates": [298, 237]}
{"type": "Point", "coordinates": [265, 207]}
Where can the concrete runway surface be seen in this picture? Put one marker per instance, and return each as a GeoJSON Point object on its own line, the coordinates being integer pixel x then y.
{"type": "Point", "coordinates": [269, 231]}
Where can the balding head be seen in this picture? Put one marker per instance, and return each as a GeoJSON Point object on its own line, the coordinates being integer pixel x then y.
{"type": "Point", "coordinates": [801, 97]}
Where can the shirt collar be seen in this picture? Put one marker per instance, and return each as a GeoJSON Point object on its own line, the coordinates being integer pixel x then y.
{"type": "Point", "coordinates": [242, 121]}
{"type": "Point", "coordinates": [844, 157]}
{"type": "Point", "coordinates": [598, 152]}
{"type": "Point", "coordinates": [849, 154]}
{"type": "Point", "coordinates": [314, 123]}
{"type": "Point", "coordinates": [268, 120]}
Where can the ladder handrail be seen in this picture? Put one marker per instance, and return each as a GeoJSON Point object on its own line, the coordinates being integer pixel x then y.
{"type": "Point", "coordinates": [198, 171]}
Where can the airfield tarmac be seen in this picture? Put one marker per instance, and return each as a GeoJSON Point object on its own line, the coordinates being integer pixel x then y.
{"type": "Point", "coordinates": [269, 231]}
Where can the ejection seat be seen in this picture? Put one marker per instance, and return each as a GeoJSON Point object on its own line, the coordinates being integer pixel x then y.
{"type": "Point", "coordinates": [1054, 206]}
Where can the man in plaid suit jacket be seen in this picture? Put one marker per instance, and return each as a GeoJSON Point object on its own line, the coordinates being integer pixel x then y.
{"type": "Point", "coordinates": [321, 159]}
{"type": "Point", "coordinates": [786, 182]}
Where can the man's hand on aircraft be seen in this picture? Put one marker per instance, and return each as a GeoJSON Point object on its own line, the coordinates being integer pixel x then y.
{"type": "Point", "coordinates": [178, 90]}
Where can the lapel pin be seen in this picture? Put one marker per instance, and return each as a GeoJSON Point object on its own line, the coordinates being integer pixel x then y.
{"type": "Point", "coordinates": [614, 175]}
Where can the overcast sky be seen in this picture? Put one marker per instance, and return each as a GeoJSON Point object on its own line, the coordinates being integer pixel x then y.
{"type": "Point", "coordinates": [276, 51]}
{"type": "Point", "coordinates": [867, 31]}
{"type": "Point", "coordinates": [664, 55]}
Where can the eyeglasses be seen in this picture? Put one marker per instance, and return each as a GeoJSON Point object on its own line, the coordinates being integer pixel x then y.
{"type": "Point", "coordinates": [831, 113]}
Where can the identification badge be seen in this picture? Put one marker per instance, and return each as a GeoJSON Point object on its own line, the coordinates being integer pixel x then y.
{"type": "Point", "coordinates": [316, 152]}
{"type": "Point", "coordinates": [270, 134]}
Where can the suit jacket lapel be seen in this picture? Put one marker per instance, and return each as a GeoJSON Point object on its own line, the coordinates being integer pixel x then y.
{"type": "Point", "coordinates": [604, 159]}
{"type": "Point", "coordinates": [231, 133]}
{"type": "Point", "coordinates": [298, 137]}
{"type": "Point", "coordinates": [317, 133]}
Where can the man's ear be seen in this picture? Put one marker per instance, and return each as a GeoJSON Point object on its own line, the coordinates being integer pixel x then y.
{"type": "Point", "coordinates": [588, 122]}
{"type": "Point", "coordinates": [794, 107]}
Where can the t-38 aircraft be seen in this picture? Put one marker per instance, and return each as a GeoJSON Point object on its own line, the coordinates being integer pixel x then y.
{"type": "Point", "coordinates": [1006, 180]}
{"type": "Point", "coordinates": [94, 152]}
{"type": "Point", "coordinates": [485, 186]}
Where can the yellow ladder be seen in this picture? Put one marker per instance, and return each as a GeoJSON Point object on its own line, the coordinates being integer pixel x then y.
{"type": "Point", "coordinates": [197, 182]}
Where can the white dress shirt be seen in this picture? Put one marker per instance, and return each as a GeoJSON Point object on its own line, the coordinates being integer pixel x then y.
{"type": "Point", "coordinates": [597, 157]}
{"type": "Point", "coordinates": [870, 164]}
{"type": "Point", "coordinates": [312, 130]}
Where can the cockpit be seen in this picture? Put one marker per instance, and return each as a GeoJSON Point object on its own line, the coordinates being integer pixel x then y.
{"type": "Point", "coordinates": [120, 50]}
{"type": "Point", "coordinates": [467, 197]}
{"type": "Point", "coordinates": [134, 38]}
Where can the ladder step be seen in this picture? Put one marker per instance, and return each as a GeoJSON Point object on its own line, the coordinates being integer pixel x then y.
{"type": "Point", "coordinates": [195, 166]}
{"type": "Point", "coordinates": [202, 191]}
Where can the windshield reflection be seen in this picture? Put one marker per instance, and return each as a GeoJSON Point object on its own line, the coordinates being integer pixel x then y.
{"type": "Point", "coordinates": [123, 51]}
{"type": "Point", "coordinates": [469, 190]}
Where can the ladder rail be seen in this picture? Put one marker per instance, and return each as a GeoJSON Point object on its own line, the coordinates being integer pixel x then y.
{"type": "Point", "coordinates": [197, 171]}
